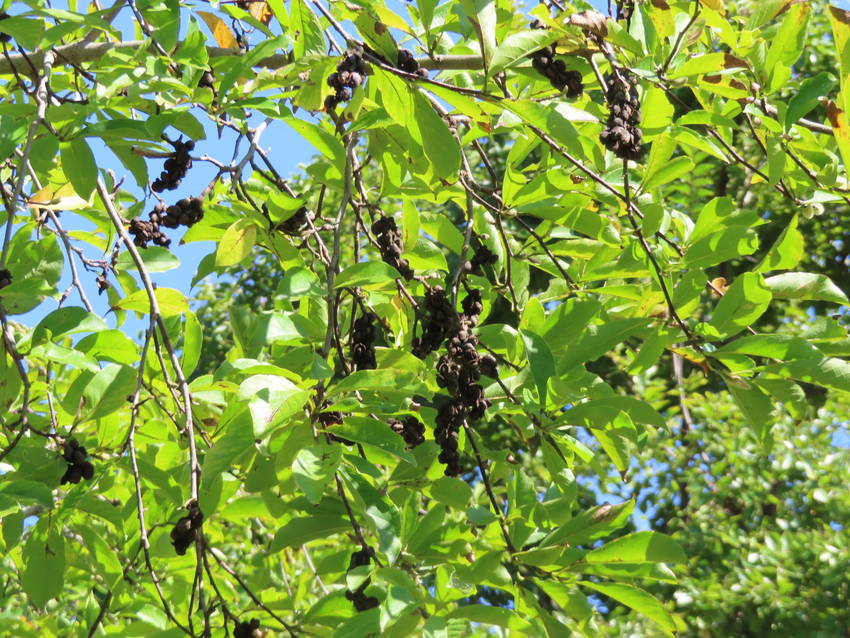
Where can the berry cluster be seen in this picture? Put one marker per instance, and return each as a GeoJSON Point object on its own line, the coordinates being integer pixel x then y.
{"type": "Point", "coordinates": [4, 37]}
{"type": "Point", "coordinates": [185, 212]}
{"type": "Point", "coordinates": [5, 277]}
{"type": "Point", "coordinates": [459, 371]}
{"type": "Point", "coordinates": [438, 318]}
{"type": "Point", "coordinates": [349, 75]}
{"type": "Point", "coordinates": [294, 224]}
{"type": "Point", "coordinates": [143, 232]}
{"type": "Point", "coordinates": [555, 71]}
{"type": "Point", "coordinates": [407, 63]}
{"type": "Point", "coordinates": [186, 529]}
{"type": "Point", "coordinates": [361, 601]}
{"type": "Point", "coordinates": [410, 429]}
{"type": "Point", "coordinates": [391, 245]}
{"type": "Point", "coordinates": [482, 256]}
{"type": "Point", "coordinates": [327, 419]}
{"type": "Point", "coordinates": [449, 420]}
{"type": "Point", "coordinates": [78, 467]}
{"type": "Point", "coordinates": [246, 628]}
{"type": "Point", "coordinates": [622, 135]}
{"type": "Point", "coordinates": [362, 342]}
{"type": "Point", "coordinates": [175, 166]}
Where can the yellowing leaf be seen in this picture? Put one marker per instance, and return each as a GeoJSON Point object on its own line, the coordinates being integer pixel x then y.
{"type": "Point", "coordinates": [715, 5]}
{"type": "Point", "coordinates": [62, 198]}
{"type": "Point", "coordinates": [840, 127]}
{"type": "Point", "coordinates": [170, 301]}
{"type": "Point", "coordinates": [260, 10]}
{"type": "Point", "coordinates": [221, 32]}
{"type": "Point", "coordinates": [236, 243]}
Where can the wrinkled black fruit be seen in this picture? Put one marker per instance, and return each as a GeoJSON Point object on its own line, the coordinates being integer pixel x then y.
{"type": "Point", "coordinates": [246, 629]}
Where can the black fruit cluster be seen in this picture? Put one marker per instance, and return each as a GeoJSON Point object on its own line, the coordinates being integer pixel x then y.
{"type": "Point", "coordinates": [294, 224]}
{"type": "Point", "coordinates": [407, 63]}
{"type": "Point", "coordinates": [482, 256]}
{"type": "Point", "coordinates": [450, 416]}
{"type": "Point", "coordinates": [175, 166]}
{"type": "Point", "coordinates": [328, 419]}
{"type": "Point", "coordinates": [458, 371]}
{"type": "Point", "coordinates": [625, 8]}
{"type": "Point", "coordinates": [78, 467]}
{"type": "Point", "coordinates": [438, 319]}
{"type": "Point", "coordinates": [361, 601]}
{"type": "Point", "coordinates": [144, 232]}
{"type": "Point", "coordinates": [5, 277]}
{"type": "Point", "coordinates": [246, 628]}
{"type": "Point", "coordinates": [622, 134]}
{"type": "Point", "coordinates": [362, 342]}
{"type": "Point", "coordinates": [410, 429]}
{"type": "Point", "coordinates": [349, 75]}
{"type": "Point", "coordinates": [186, 529]}
{"type": "Point", "coordinates": [389, 240]}
{"type": "Point", "coordinates": [4, 37]}
{"type": "Point", "coordinates": [555, 70]}
{"type": "Point", "coordinates": [186, 212]}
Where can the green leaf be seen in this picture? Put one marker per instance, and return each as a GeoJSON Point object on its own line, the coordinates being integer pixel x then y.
{"type": "Point", "coordinates": [805, 285]}
{"type": "Point", "coordinates": [441, 147]}
{"type": "Point", "coordinates": [498, 616]}
{"type": "Point", "coordinates": [66, 321]}
{"type": "Point", "coordinates": [807, 97]}
{"type": "Point", "coordinates": [367, 273]}
{"type": "Point", "coordinates": [618, 441]}
{"type": "Point", "coordinates": [155, 258]}
{"type": "Point", "coordinates": [108, 390]}
{"type": "Point", "coordinates": [828, 372]}
{"type": "Point", "coordinates": [192, 342]}
{"type": "Point", "coordinates": [482, 15]}
{"type": "Point", "coordinates": [308, 34]}
{"type": "Point", "coordinates": [786, 45]}
{"type": "Point", "coordinates": [697, 65]}
{"type": "Point", "coordinates": [302, 530]}
{"type": "Point", "coordinates": [313, 468]}
{"type": "Point", "coordinates": [787, 250]}
{"type": "Point", "coordinates": [109, 345]}
{"type": "Point", "coordinates": [541, 361]}
{"type": "Point", "coordinates": [775, 160]}
{"type": "Point", "coordinates": [518, 46]}
{"type": "Point", "coordinates": [640, 547]}
{"type": "Point", "coordinates": [372, 432]}
{"type": "Point", "coordinates": [755, 405]}
{"type": "Point", "coordinates": [637, 599]}
{"type": "Point", "coordinates": [237, 440]}
{"type": "Point", "coordinates": [452, 492]}
{"type": "Point", "coordinates": [744, 302]}
{"type": "Point", "coordinates": [79, 166]}
{"type": "Point", "coordinates": [272, 400]}
{"type": "Point", "coordinates": [668, 172]}
{"type": "Point", "coordinates": [25, 491]}
{"type": "Point", "coordinates": [43, 574]}
{"type": "Point", "coordinates": [236, 243]}
{"type": "Point", "coordinates": [388, 382]}
{"type": "Point", "coordinates": [590, 525]}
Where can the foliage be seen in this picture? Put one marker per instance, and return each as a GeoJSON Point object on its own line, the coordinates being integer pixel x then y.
{"type": "Point", "coordinates": [511, 239]}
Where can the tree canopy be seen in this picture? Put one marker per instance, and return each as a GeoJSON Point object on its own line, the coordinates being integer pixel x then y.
{"type": "Point", "coordinates": [545, 271]}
